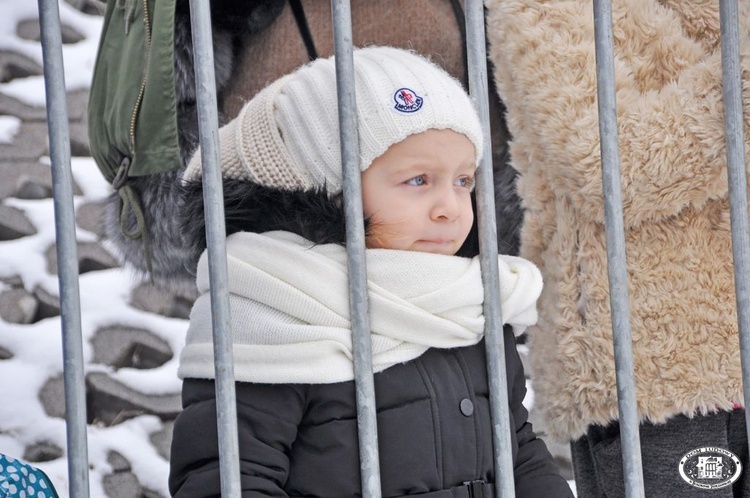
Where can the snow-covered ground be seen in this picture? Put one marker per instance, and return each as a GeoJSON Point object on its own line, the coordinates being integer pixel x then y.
{"type": "Point", "coordinates": [36, 348]}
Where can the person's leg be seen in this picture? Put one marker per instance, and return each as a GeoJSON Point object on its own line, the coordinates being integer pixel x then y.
{"type": "Point", "coordinates": [667, 444]}
{"type": "Point", "coordinates": [662, 448]}
{"type": "Point", "coordinates": [584, 472]}
{"type": "Point", "coordinates": [737, 438]}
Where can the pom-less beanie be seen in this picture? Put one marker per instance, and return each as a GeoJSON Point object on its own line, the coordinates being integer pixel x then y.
{"type": "Point", "coordinates": [287, 136]}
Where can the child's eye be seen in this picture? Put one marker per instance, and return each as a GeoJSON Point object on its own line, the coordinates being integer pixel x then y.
{"type": "Point", "coordinates": [466, 182]}
{"type": "Point", "coordinates": [417, 181]}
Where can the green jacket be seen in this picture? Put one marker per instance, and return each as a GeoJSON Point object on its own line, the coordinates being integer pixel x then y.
{"type": "Point", "coordinates": [132, 111]}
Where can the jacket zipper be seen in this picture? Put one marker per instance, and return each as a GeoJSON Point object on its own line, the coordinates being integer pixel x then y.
{"type": "Point", "coordinates": [142, 90]}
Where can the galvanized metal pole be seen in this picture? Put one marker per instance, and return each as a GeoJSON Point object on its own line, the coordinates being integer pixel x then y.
{"type": "Point", "coordinates": [615, 239]}
{"type": "Point", "coordinates": [355, 250]}
{"type": "Point", "coordinates": [213, 199]}
{"type": "Point", "coordinates": [67, 252]}
{"type": "Point", "coordinates": [736, 173]}
{"type": "Point", "coordinates": [486, 218]}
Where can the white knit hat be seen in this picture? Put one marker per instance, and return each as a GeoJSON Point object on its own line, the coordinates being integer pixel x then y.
{"type": "Point", "coordinates": [287, 136]}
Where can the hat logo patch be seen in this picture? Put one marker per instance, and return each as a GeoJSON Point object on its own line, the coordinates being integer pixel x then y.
{"type": "Point", "coordinates": [407, 100]}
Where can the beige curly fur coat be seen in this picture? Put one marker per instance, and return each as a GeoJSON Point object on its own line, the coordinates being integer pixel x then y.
{"type": "Point", "coordinates": [674, 189]}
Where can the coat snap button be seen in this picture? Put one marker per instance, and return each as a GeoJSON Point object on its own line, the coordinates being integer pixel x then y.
{"type": "Point", "coordinates": [467, 407]}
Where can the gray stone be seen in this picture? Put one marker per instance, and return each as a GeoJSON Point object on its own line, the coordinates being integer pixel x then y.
{"type": "Point", "coordinates": [148, 297]}
{"type": "Point", "coordinates": [108, 402]}
{"type": "Point", "coordinates": [76, 106]}
{"type": "Point", "coordinates": [91, 7]}
{"type": "Point", "coordinates": [14, 224]}
{"type": "Point", "coordinates": [78, 102]}
{"type": "Point", "coordinates": [149, 493]}
{"type": "Point", "coordinates": [121, 485]}
{"type": "Point", "coordinates": [42, 452]}
{"type": "Point", "coordinates": [162, 440]}
{"type": "Point", "coordinates": [10, 106]}
{"type": "Point", "coordinates": [52, 397]}
{"type": "Point", "coordinates": [17, 306]}
{"type": "Point", "coordinates": [90, 216]}
{"type": "Point", "coordinates": [17, 174]}
{"type": "Point", "coordinates": [111, 402]}
{"type": "Point", "coordinates": [48, 305]}
{"type": "Point", "coordinates": [12, 280]}
{"type": "Point", "coordinates": [79, 140]}
{"type": "Point", "coordinates": [5, 354]}
{"type": "Point", "coordinates": [31, 189]}
{"type": "Point", "coordinates": [91, 257]}
{"type": "Point", "coordinates": [14, 65]}
{"type": "Point", "coordinates": [118, 462]}
{"type": "Point", "coordinates": [29, 30]}
{"type": "Point", "coordinates": [125, 347]}
{"type": "Point", "coordinates": [30, 143]}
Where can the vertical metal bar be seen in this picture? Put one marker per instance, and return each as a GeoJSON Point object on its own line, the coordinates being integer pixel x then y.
{"type": "Point", "coordinates": [736, 168]}
{"type": "Point", "coordinates": [486, 218]}
{"type": "Point", "coordinates": [355, 250]}
{"type": "Point", "coordinates": [213, 199]}
{"type": "Point", "coordinates": [67, 251]}
{"type": "Point", "coordinates": [615, 239]}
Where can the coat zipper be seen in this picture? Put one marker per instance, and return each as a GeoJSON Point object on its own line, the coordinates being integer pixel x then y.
{"type": "Point", "coordinates": [142, 90]}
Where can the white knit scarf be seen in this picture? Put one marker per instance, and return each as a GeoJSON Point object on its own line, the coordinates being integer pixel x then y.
{"type": "Point", "coordinates": [290, 308]}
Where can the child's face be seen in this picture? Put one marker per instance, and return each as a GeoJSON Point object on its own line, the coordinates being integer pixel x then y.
{"type": "Point", "coordinates": [417, 194]}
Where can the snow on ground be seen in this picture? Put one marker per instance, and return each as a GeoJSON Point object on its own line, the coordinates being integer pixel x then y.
{"type": "Point", "coordinates": [37, 348]}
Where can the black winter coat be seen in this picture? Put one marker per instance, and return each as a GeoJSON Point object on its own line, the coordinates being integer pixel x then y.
{"type": "Point", "coordinates": [434, 434]}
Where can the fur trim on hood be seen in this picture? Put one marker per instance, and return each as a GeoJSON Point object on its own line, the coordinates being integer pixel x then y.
{"type": "Point", "coordinates": [674, 189]}
{"type": "Point", "coordinates": [249, 207]}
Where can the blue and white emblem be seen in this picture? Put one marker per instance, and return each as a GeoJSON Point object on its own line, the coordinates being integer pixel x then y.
{"type": "Point", "coordinates": [407, 100]}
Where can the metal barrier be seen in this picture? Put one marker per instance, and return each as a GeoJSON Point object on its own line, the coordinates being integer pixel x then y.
{"type": "Point", "coordinates": [65, 233]}
{"type": "Point", "coordinates": [213, 198]}
{"type": "Point", "coordinates": [735, 137]}
{"type": "Point", "coordinates": [615, 241]}
{"type": "Point", "coordinates": [355, 251]}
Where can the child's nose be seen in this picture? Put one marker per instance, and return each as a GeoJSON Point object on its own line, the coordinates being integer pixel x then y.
{"type": "Point", "coordinates": [446, 205]}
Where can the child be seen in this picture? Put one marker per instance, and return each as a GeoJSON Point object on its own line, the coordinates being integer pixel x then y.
{"type": "Point", "coordinates": [420, 142]}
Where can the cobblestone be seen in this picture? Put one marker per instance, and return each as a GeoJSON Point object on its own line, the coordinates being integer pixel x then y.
{"type": "Point", "coordinates": [25, 174]}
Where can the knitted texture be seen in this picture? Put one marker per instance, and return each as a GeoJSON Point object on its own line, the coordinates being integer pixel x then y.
{"type": "Point", "coordinates": [287, 136]}
{"type": "Point", "coordinates": [288, 328]}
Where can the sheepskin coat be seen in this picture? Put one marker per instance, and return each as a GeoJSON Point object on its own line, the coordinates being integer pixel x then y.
{"type": "Point", "coordinates": [675, 200]}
